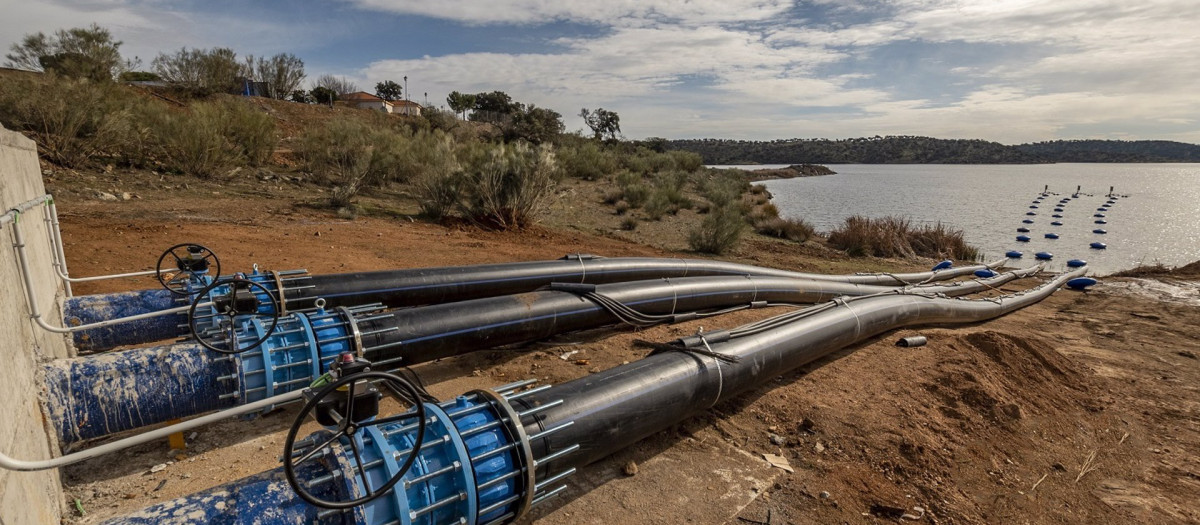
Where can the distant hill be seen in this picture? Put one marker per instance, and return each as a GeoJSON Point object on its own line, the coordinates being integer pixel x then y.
{"type": "Point", "coordinates": [927, 150]}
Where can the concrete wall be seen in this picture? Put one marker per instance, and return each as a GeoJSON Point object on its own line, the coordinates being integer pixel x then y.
{"type": "Point", "coordinates": [26, 498]}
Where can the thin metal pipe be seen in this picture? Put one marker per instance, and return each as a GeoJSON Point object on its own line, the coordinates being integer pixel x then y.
{"type": "Point", "coordinates": [107, 448]}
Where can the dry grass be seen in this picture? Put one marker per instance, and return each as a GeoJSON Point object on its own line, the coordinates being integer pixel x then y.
{"type": "Point", "coordinates": [897, 237]}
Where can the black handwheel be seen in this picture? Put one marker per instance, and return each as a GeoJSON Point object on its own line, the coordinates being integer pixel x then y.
{"type": "Point", "coordinates": [187, 259]}
{"type": "Point", "coordinates": [347, 427]}
{"type": "Point", "coordinates": [221, 335]}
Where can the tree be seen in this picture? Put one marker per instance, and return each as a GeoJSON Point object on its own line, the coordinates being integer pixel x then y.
{"type": "Point", "coordinates": [324, 95]}
{"type": "Point", "coordinates": [602, 121]}
{"type": "Point", "coordinates": [282, 73]}
{"type": "Point", "coordinates": [535, 125]}
{"type": "Point", "coordinates": [82, 52]}
{"type": "Point", "coordinates": [338, 85]}
{"type": "Point", "coordinates": [203, 70]}
{"type": "Point", "coordinates": [460, 102]}
{"type": "Point", "coordinates": [138, 76]}
{"type": "Point", "coordinates": [388, 90]}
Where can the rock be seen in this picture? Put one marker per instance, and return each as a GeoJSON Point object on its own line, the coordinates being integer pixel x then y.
{"type": "Point", "coordinates": [126, 196]}
{"type": "Point", "coordinates": [1186, 353]}
{"type": "Point", "coordinates": [630, 469]}
{"type": "Point", "coordinates": [158, 468]}
{"type": "Point", "coordinates": [105, 196]}
{"type": "Point", "coordinates": [778, 440]}
{"type": "Point", "coordinates": [819, 447]}
{"type": "Point", "coordinates": [824, 495]}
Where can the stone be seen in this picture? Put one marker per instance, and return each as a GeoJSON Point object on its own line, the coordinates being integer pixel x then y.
{"type": "Point", "coordinates": [630, 469]}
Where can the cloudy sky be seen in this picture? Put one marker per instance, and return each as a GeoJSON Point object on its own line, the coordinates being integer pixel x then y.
{"type": "Point", "coordinates": [1005, 70]}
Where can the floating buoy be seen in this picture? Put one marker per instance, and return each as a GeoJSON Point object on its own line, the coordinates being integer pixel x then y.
{"type": "Point", "coordinates": [1056, 223]}
{"type": "Point", "coordinates": [1031, 213]}
{"type": "Point", "coordinates": [1014, 254]}
{"type": "Point", "coordinates": [1045, 256]}
{"type": "Point", "coordinates": [1098, 246]}
{"type": "Point", "coordinates": [1076, 263]}
{"type": "Point", "coordinates": [1022, 230]}
{"type": "Point", "coordinates": [1100, 231]}
{"type": "Point", "coordinates": [1101, 215]}
{"type": "Point", "coordinates": [1051, 235]}
{"type": "Point", "coordinates": [1111, 201]}
{"type": "Point", "coordinates": [985, 273]}
{"type": "Point", "coordinates": [1059, 210]}
{"type": "Point", "coordinates": [1101, 221]}
{"type": "Point", "coordinates": [1033, 206]}
{"type": "Point", "coordinates": [1102, 209]}
{"type": "Point", "coordinates": [1022, 238]}
{"type": "Point", "coordinates": [1027, 221]}
{"type": "Point", "coordinates": [1081, 283]}
{"type": "Point", "coordinates": [943, 265]}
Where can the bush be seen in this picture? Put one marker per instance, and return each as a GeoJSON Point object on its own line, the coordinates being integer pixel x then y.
{"type": "Point", "coordinates": [432, 166]}
{"type": "Point", "coordinates": [506, 187]}
{"type": "Point", "coordinates": [621, 207]}
{"type": "Point", "coordinates": [722, 187]}
{"type": "Point", "coordinates": [657, 206]}
{"type": "Point", "coordinates": [629, 224]}
{"type": "Point", "coordinates": [72, 120]}
{"type": "Point", "coordinates": [763, 213]}
{"type": "Point", "coordinates": [351, 155]}
{"type": "Point", "coordinates": [633, 189]}
{"type": "Point", "coordinates": [719, 231]}
{"type": "Point", "coordinates": [195, 144]}
{"type": "Point", "coordinates": [895, 237]}
{"type": "Point", "coordinates": [250, 132]}
{"type": "Point", "coordinates": [797, 230]}
{"type": "Point", "coordinates": [586, 160]}
{"type": "Point", "coordinates": [759, 189]}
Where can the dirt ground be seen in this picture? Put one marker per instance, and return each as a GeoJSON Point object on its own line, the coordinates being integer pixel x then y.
{"type": "Point", "coordinates": [1082, 409]}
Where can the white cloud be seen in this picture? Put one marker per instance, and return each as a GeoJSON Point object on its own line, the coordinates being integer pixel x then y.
{"type": "Point", "coordinates": [605, 12]}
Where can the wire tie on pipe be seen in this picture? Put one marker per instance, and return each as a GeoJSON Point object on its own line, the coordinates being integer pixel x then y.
{"type": "Point", "coordinates": [720, 374]}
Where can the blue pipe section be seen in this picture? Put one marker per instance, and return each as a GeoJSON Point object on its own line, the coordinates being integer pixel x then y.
{"type": "Point", "coordinates": [469, 471]}
{"type": "Point", "coordinates": [94, 396]}
{"type": "Point", "coordinates": [87, 309]}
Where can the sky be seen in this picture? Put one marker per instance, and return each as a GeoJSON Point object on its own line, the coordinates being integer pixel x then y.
{"type": "Point", "coordinates": [1011, 71]}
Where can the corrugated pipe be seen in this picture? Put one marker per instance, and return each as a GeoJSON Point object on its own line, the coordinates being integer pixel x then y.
{"type": "Point", "coordinates": [514, 467]}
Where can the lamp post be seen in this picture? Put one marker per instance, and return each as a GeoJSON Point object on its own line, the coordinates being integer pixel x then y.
{"type": "Point", "coordinates": [406, 108]}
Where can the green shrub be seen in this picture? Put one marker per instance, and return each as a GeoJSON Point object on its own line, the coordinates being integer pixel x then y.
{"type": "Point", "coordinates": [686, 160]}
{"type": "Point", "coordinates": [722, 187]}
{"type": "Point", "coordinates": [432, 166]}
{"type": "Point", "coordinates": [719, 231]}
{"type": "Point", "coordinates": [621, 207]}
{"type": "Point", "coordinates": [759, 189]}
{"type": "Point", "coordinates": [72, 121]}
{"type": "Point", "coordinates": [250, 131]}
{"type": "Point", "coordinates": [763, 213]}
{"type": "Point", "coordinates": [629, 224]}
{"type": "Point", "coordinates": [195, 143]}
{"type": "Point", "coordinates": [350, 155]}
{"type": "Point", "coordinates": [507, 187]}
{"type": "Point", "coordinates": [586, 160]}
{"type": "Point", "coordinates": [657, 206]}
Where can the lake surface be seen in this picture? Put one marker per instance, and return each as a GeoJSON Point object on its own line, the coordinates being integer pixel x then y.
{"type": "Point", "coordinates": [1158, 220]}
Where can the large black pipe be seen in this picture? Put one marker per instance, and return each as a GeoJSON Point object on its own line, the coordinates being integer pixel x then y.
{"type": "Point", "coordinates": [421, 286]}
{"type": "Point", "coordinates": [617, 407]}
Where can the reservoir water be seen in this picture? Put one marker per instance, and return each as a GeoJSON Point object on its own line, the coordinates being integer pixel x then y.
{"type": "Point", "coordinates": [1157, 220]}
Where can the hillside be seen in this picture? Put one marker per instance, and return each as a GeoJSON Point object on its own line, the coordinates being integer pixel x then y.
{"type": "Point", "coordinates": [927, 150]}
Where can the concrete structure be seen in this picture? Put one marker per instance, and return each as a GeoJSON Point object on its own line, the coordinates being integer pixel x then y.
{"type": "Point", "coordinates": [406, 107]}
{"type": "Point", "coordinates": [26, 498]}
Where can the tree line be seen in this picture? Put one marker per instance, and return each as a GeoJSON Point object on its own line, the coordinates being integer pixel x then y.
{"type": "Point", "coordinates": [927, 150]}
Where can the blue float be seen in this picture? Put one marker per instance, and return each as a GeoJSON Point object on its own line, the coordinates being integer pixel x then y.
{"type": "Point", "coordinates": [1057, 216]}
{"type": "Point", "coordinates": [1014, 254]}
{"type": "Point", "coordinates": [1101, 209]}
{"type": "Point", "coordinates": [1051, 235]}
{"type": "Point", "coordinates": [985, 273]}
{"type": "Point", "coordinates": [1101, 221]}
{"type": "Point", "coordinates": [1098, 246]}
{"type": "Point", "coordinates": [1101, 215]}
{"type": "Point", "coordinates": [1059, 210]}
{"type": "Point", "coordinates": [1076, 263]}
{"type": "Point", "coordinates": [1100, 231]}
{"type": "Point", "coordinates": [1022, 238]}
{"type": "Point", "coordinates": [1056, 223]}
{"type": "Point", "coordinates": [1081, 283]}
{"type": "Point", "coordinates": [1033, 206]}
{"type": "Point", "coordinates": [1022, 230]}
{"type": "Point", "coordinates": [1027, 221]}
{"type": "Point", "coordinates": [1031, 213]}
{"type": "Point", "coordinates": [943, 265]}
{"type": "Point", "coordinates": [1044, 256]}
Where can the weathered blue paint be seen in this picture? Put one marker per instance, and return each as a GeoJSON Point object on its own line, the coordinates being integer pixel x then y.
{"type": "Point", "coordinates": [262, 499]}
{"type": "Point", "coordinates": [457, 431]}
{"type": "Point", "coordinates": [98, 395]}
{"type": "Point", "coordinates": [94, 396]}
{"type": "Point", "coordinates": [87, 309]}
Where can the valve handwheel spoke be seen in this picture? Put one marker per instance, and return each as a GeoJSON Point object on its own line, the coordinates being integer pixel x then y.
{"type": "Point", "coordinates": [347, 428]}
{"type": "Point", "coordinates": [194, 259]}
{"type": "Point", "coordinates": [222, 335]}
